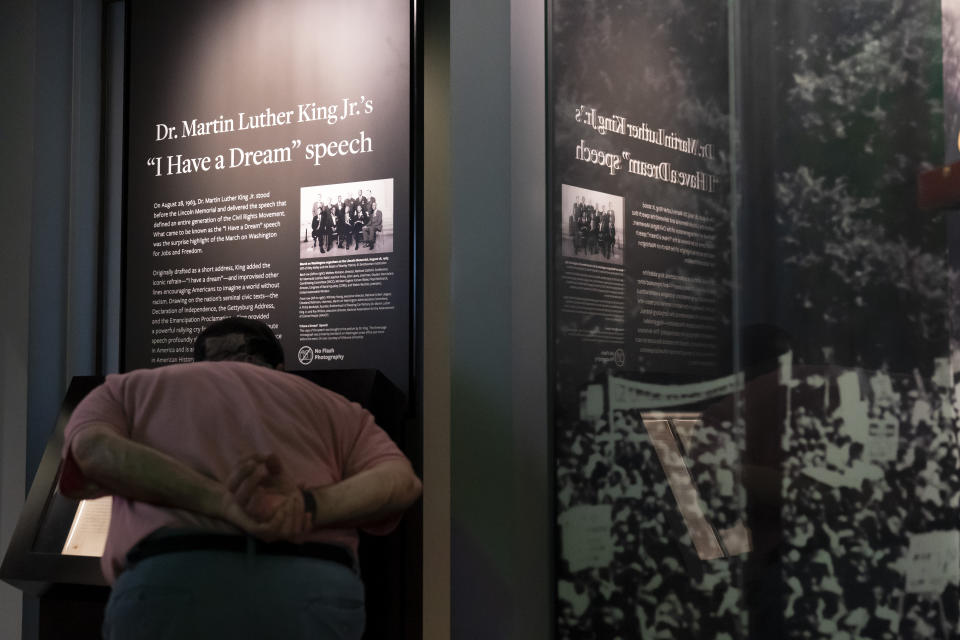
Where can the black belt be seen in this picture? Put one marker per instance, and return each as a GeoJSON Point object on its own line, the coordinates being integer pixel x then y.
{"type": "Point", "coordinates": [156, 545]}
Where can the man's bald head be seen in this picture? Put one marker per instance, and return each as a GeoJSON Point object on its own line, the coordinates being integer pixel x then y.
{"type": "Point", "coordinates": [239, 339]}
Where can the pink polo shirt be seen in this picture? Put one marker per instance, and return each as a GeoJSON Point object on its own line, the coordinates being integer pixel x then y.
{"type": "Point", "coordinates": [210, 415]}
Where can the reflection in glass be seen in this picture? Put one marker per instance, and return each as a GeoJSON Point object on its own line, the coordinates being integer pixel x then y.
{"type": "Point", "coordinates": [811, 488]}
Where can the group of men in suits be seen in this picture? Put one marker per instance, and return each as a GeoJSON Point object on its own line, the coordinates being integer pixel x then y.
{"type": "Point", "coordinates": [592, 228]}
{"type": "Point", "coordinates": [351, 220]}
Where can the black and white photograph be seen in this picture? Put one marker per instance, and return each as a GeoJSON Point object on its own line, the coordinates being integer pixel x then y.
{"type": "Point", "coordinates": [592, 225]}
{"type": "Point", "coordinates": [661, 556]}
{"type": "Point", "coordinates": [869, 490]}
{"type": "Point", "coordinates": [346, 219]}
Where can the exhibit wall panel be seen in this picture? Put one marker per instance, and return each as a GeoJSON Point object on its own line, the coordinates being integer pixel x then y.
{"type": "Point", "coordinates": [270, 173]}
{"type": "Point", "coordinates": [261, 158]}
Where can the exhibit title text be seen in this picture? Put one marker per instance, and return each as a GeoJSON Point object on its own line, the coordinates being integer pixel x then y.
{"type": "Point", "coordinates": [243, 156]}
{"type": "Point", "coordinates": [668, 172]}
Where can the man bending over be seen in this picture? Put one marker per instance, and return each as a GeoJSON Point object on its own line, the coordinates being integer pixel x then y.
{"type": "Point", "coordinates": [237, 490]}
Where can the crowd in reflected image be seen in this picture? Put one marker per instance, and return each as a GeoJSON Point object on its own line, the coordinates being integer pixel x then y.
{"type": "Point", "coordinates": [655, 586]}
{"type": "Point", "coordinates": [869, 475]}
{"type": "Point", "coordinates": [852, 506]}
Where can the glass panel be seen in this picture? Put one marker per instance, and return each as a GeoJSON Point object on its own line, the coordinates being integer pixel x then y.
{"type": "Point", "coordinates": [755, 409]}
{"type": "Point", "coordinates": [842, 110]}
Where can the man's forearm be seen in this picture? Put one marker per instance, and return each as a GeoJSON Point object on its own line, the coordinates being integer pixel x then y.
{"type": "Point", "coordinates": [368, 497]}
{"type": "Point", "coordinates": [126, 468]}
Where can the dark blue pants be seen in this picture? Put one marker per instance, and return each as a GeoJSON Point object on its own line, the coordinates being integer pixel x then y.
{"type": "Point", "coordinates": [220, 594]}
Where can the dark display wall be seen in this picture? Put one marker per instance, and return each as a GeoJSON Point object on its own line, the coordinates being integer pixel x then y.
{"type": "Point", "coordinates": [246, 121]}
